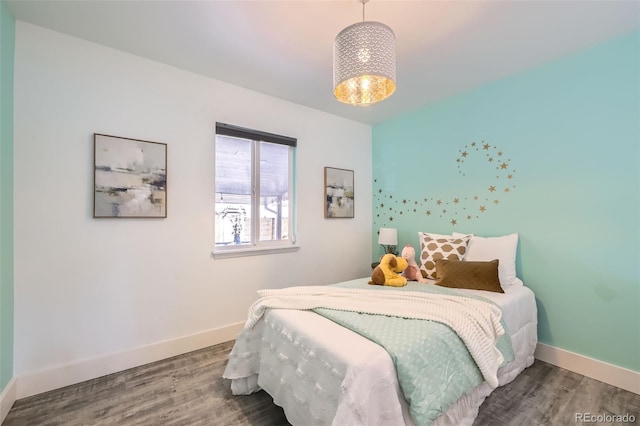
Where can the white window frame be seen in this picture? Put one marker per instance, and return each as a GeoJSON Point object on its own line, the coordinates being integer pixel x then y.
{"type": "Point", "coordinates": [257, 247]}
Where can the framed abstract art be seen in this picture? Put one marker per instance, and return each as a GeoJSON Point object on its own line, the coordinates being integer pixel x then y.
{"type": "Point", "coordinates": [130, 178]}
{"type": "Point", "coordinates": [338, 193]}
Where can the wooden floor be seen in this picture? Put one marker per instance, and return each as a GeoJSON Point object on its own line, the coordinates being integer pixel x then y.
{"type": "Point", "coordinates": [189, 390]}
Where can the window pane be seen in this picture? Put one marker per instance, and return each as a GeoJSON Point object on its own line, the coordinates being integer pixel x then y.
{"type": "Point", "coordinates": [233, 191]}
{"type": "Point", "coordinates": [274, 192]}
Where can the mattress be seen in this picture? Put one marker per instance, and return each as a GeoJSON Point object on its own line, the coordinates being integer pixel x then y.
{"type": "Point", "coordinates": [322, 373]}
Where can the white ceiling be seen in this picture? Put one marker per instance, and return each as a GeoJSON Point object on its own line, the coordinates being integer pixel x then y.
{"type": "Point", "coordinates": [285, 48]}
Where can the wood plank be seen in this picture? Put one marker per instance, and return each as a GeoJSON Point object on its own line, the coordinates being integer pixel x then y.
{"type": "Point", "coordinates": [189, 390]}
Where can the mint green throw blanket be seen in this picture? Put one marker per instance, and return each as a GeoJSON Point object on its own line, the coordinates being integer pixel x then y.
{"type": "Point", "coordinates": [433, 365]}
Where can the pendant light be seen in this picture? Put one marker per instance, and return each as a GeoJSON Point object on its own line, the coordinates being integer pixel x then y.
{"type": "Point", "coordinates": [364, 63]}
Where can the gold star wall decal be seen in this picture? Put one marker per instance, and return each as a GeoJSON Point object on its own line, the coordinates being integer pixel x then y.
{"type": "Point", "coordinates": [402, 209]}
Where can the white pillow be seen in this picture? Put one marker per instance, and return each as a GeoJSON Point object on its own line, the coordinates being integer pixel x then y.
{"type": "Point", "coordinates": [503, 248]}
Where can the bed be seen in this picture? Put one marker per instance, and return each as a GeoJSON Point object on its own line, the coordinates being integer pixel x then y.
{"type": "Point", "coordinates": [323, 373]}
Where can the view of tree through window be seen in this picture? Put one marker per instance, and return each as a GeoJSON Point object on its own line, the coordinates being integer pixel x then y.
{"type": "Point", "coordinates": [252, 184]}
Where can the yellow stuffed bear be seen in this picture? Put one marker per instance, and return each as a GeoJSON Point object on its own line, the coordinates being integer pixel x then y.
{"type": "Point", "coordinates": [387, 272]}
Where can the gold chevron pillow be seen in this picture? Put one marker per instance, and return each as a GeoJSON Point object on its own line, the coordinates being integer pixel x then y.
{"type": "Point", "coordinates": [440, 248]}
{"type": "Point", "coordinates": [468, 274]}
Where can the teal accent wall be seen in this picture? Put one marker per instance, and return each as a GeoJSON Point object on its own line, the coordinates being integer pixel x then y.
{"type": "Point", "coordinates": [7, 45]}
{"type": "Point", "coordinates": [557, 160]}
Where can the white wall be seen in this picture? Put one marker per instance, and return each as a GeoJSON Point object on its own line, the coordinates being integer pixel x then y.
{"type": "Point", "coordinates": [87, 288]}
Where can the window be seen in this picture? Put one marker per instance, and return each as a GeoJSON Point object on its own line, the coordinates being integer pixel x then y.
{"type": "Point", "coordinates": [254, 201]}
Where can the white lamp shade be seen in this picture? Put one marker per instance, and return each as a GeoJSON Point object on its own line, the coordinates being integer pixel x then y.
{"type": "Point", "coordinates": [364, 63]}
{"type": "Point", "coordinates": [388, 237]}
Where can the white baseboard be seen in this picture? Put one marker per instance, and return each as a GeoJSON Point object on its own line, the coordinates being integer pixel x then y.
{"type": "Point", "coordinates": [65, 375]}
{"type": "Point", "coordinates": [7, 398]}
{"type": "Point", "coordinates": [608, 373]}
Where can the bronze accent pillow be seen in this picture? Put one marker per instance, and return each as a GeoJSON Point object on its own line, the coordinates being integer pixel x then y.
{"type": "Point", "coordinates": [468, 274]}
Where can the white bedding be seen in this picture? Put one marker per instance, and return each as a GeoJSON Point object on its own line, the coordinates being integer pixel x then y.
{"type": "Point", "coordinates": [322, 373]}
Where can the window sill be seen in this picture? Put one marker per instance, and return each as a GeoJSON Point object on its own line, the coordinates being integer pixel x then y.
{"type": "Point", "coordinates": [224, 254]}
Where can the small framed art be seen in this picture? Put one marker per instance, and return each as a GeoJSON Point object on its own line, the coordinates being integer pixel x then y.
{"type": "Point", "coordinates": [338, 193]}
{"type": "Point", "coordinates": [130, 178]}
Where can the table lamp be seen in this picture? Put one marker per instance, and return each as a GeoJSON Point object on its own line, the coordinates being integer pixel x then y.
{"type": "Point", "coordinates": [388, 239]}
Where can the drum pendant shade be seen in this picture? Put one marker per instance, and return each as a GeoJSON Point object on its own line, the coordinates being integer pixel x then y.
{"type": "Point", "coordinates": [364, 63]}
